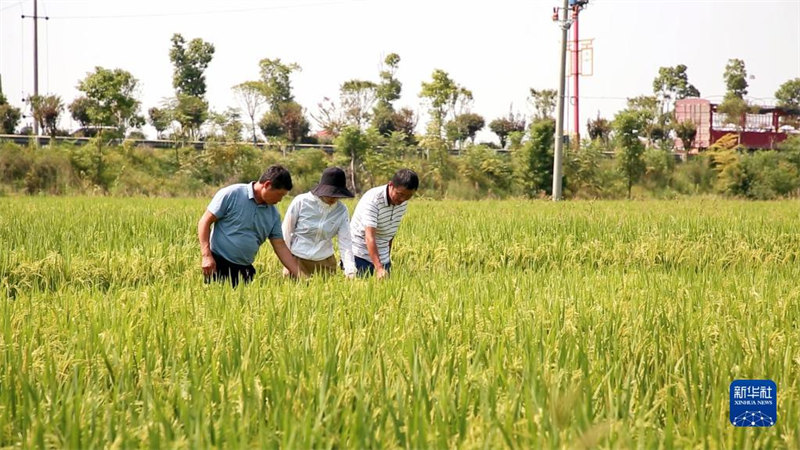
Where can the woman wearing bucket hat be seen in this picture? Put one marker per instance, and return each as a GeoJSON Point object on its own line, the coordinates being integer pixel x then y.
{"type": "Point", "coordinates": [313, 219]}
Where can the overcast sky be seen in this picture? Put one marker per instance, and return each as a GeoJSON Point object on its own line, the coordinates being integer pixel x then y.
{"type": "Point", "coordinates": [496, 48]}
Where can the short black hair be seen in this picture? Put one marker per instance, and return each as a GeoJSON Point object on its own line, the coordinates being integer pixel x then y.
{"type": "Point", "coordinates": [406, 178]}
{"type": "Point", "coordinates": [278, 176]}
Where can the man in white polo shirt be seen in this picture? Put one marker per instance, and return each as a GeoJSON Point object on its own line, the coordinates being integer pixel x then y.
{"type": "Point", "coordinates": [376, 220]}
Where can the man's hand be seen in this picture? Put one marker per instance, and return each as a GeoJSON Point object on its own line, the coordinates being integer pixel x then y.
{"type": "Point", "coordinates": [203, 235]}
{"type": "Point", "coordinates": [209, 266]}
{"type": "Point", "coordinates": [374, 255]}
{"type": "Point", "coordinates": [286, 258]}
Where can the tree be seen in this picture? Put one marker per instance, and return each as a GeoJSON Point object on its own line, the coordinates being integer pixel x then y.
{"type": "Point", "coordinates": [329, 117]}
{"type": "Point", "coordinates": [227, 126]}
{"type": "Point", "coordinates": [444, 97]}
{"type": "Point", "coordinates": [734, 109]}
{"type": "Point", "coordinates": [270, 125]}
{"type": "Point", "coordinates": [627, 126]}
{"type": "Point", "coordinates": [503, 126]}
{"type": "Point", "coordinates": [294, 122]}
{"type": "Point", "coordinates": [389, 88]}
{"type": "Point", "coordinates": [9, 115]}
{"type": "Point", "coordinates": [734, 106]}
{"type": "Point", "coordinates": [472, 123]}
{"type": "Point", "coordinates": [651, 124]}
{"type": "Point", "coordinates": [403, 121]}
{"type": "Point", "coordinates": [583, 168]}
{"type": "Point", "coordinates": [440, 165]}
{"type": "Point", "coordinates": [251, 94]}
{"type": "Point", "coordinates": [79, 109]}
{"type": "Point", "coordinates": [387, 121]}
{"type": "Point", "coordinates": [384, 117]}
{"type": "Point", "coordinates": [357, 98]}
{"type": "Point", "coordinates": [533, 161]}
{"type": "Point", "coordinates": [46, 110]}
{"type": "Point", "coordinates": [190, 112]}
{"type": "Point", "coordinates": [160, 119]}
{"type": "Point", "coordinates": [288, 122]}
{"type": "Point", "coordinates": [285, 117]}
{"type": "Point", "coordinates": [598, 128]}
{"type": "Point", "coordinates": [486, 170]}
{"type": "Point", "coordinates": [788, 94]}
{"type": "Point", "coordinates": [353, 143]}
{"type": "Point", "coordinates": [672, 83]}
{"type": "Point", "coordinates": [686, 132]}
{"type": "Point", "coordinates": [544, 102]}
{"type": "Point", "coordinates": [190, 62]}
{"type": "Point", "coordinates": [735, 76]}
{"type": "Point", "coordinates": [109, 100]}
{"type": "Point", "coordinates": [189, 107]}
{"type": "Point", "coordinates": [276, 79]}
{"type": "Point", "coordinates": [464, 127]}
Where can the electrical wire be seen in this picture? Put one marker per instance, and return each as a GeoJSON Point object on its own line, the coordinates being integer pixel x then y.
{"type": "Point", "coordinates": [692, 2]}
{"type": "Point", "coordinates": [12, 6]}
{"type": "Point", "coordinates": [214, 12]}
{"type": "Point", "coordinates": [22, 63]}
{"type": "Point", "coordinates": [46, 45]}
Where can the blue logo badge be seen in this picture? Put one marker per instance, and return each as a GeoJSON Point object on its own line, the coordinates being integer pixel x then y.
{"type": "Point", "coordinates": [754, 403]}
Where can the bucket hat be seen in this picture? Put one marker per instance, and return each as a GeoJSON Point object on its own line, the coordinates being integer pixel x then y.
{"type": "Point", "coordinates": [332, 184]}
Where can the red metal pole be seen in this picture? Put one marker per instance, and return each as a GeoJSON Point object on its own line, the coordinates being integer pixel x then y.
{"type": "Point", "coordinates": [35, 62]}
{"type": "Point", "coordinates": [576, 73]}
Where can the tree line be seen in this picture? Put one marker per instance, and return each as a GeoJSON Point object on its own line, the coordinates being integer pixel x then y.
{"type": "Point", "coordinates": [372, 136]}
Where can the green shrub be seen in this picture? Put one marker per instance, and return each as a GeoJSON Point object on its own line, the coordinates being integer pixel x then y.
{"type": "Point", "coordinates": [770, 175]}
{"type": "Point", "coordinates": [50, 173]}
{"type": "Point", "coordinates": [15, 163]}
{"type": "Point", "coordinates": [659, 166]}
{"type": "Point", "coordinates": [306, 166]}
{"type": "Point", "coordinates": [694, 176]}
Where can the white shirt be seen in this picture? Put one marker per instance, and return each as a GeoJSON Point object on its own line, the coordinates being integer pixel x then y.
{"type": "Point", "coordinates": [309, 226]}
{"type": "Point", "coordinates": [374, 210]}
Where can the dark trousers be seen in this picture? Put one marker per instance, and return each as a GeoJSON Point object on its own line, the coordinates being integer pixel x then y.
{"type": "Point", "coordinates": [227, 270]}
{"type": "Point", "coordinates": [365, 267]}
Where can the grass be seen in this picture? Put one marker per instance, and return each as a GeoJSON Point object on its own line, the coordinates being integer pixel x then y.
{"type": "Point", "coordinates": [505, 324]}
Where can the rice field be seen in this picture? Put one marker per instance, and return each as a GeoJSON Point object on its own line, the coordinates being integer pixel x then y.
{"type": "Point", "coordinates": [505, 324]}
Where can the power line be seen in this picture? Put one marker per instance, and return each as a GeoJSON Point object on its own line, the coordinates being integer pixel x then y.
{"type": "Point", "coordinates": [695, 2]}
{"type": "Point", "coordinates": [13, 5]}
{"type": "Point", "coordinates": [209, 12]}
{"type": "Point", "coordinates": [47, 46]}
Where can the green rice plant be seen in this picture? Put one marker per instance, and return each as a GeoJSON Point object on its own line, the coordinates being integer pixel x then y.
{"type": "Point", "coordinates": [517, 324]}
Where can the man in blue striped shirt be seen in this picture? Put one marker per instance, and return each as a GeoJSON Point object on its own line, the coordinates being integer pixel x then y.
{"type": "Point", "coordinates": [376, 220]}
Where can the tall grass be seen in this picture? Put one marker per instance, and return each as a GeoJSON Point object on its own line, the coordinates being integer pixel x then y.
{"type": "Point", "coordinates": [505, 324]}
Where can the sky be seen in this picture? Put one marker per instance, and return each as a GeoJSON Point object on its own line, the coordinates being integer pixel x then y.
{"type": "Point", "coordinates": [498, 49]}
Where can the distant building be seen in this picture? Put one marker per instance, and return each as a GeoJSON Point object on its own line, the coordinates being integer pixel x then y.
{"type": "Point", "coordinates": [761, 129]}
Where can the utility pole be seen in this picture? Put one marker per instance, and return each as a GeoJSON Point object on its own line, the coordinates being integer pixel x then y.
{"type": "Point", "coordinates": [35, 18]}
{"type": "Point", "coordinates": [559, 138]}
{"type": "Point", "coordinates": [577, 70]}
{"type": "Point", "coordinates": [576, 73]}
